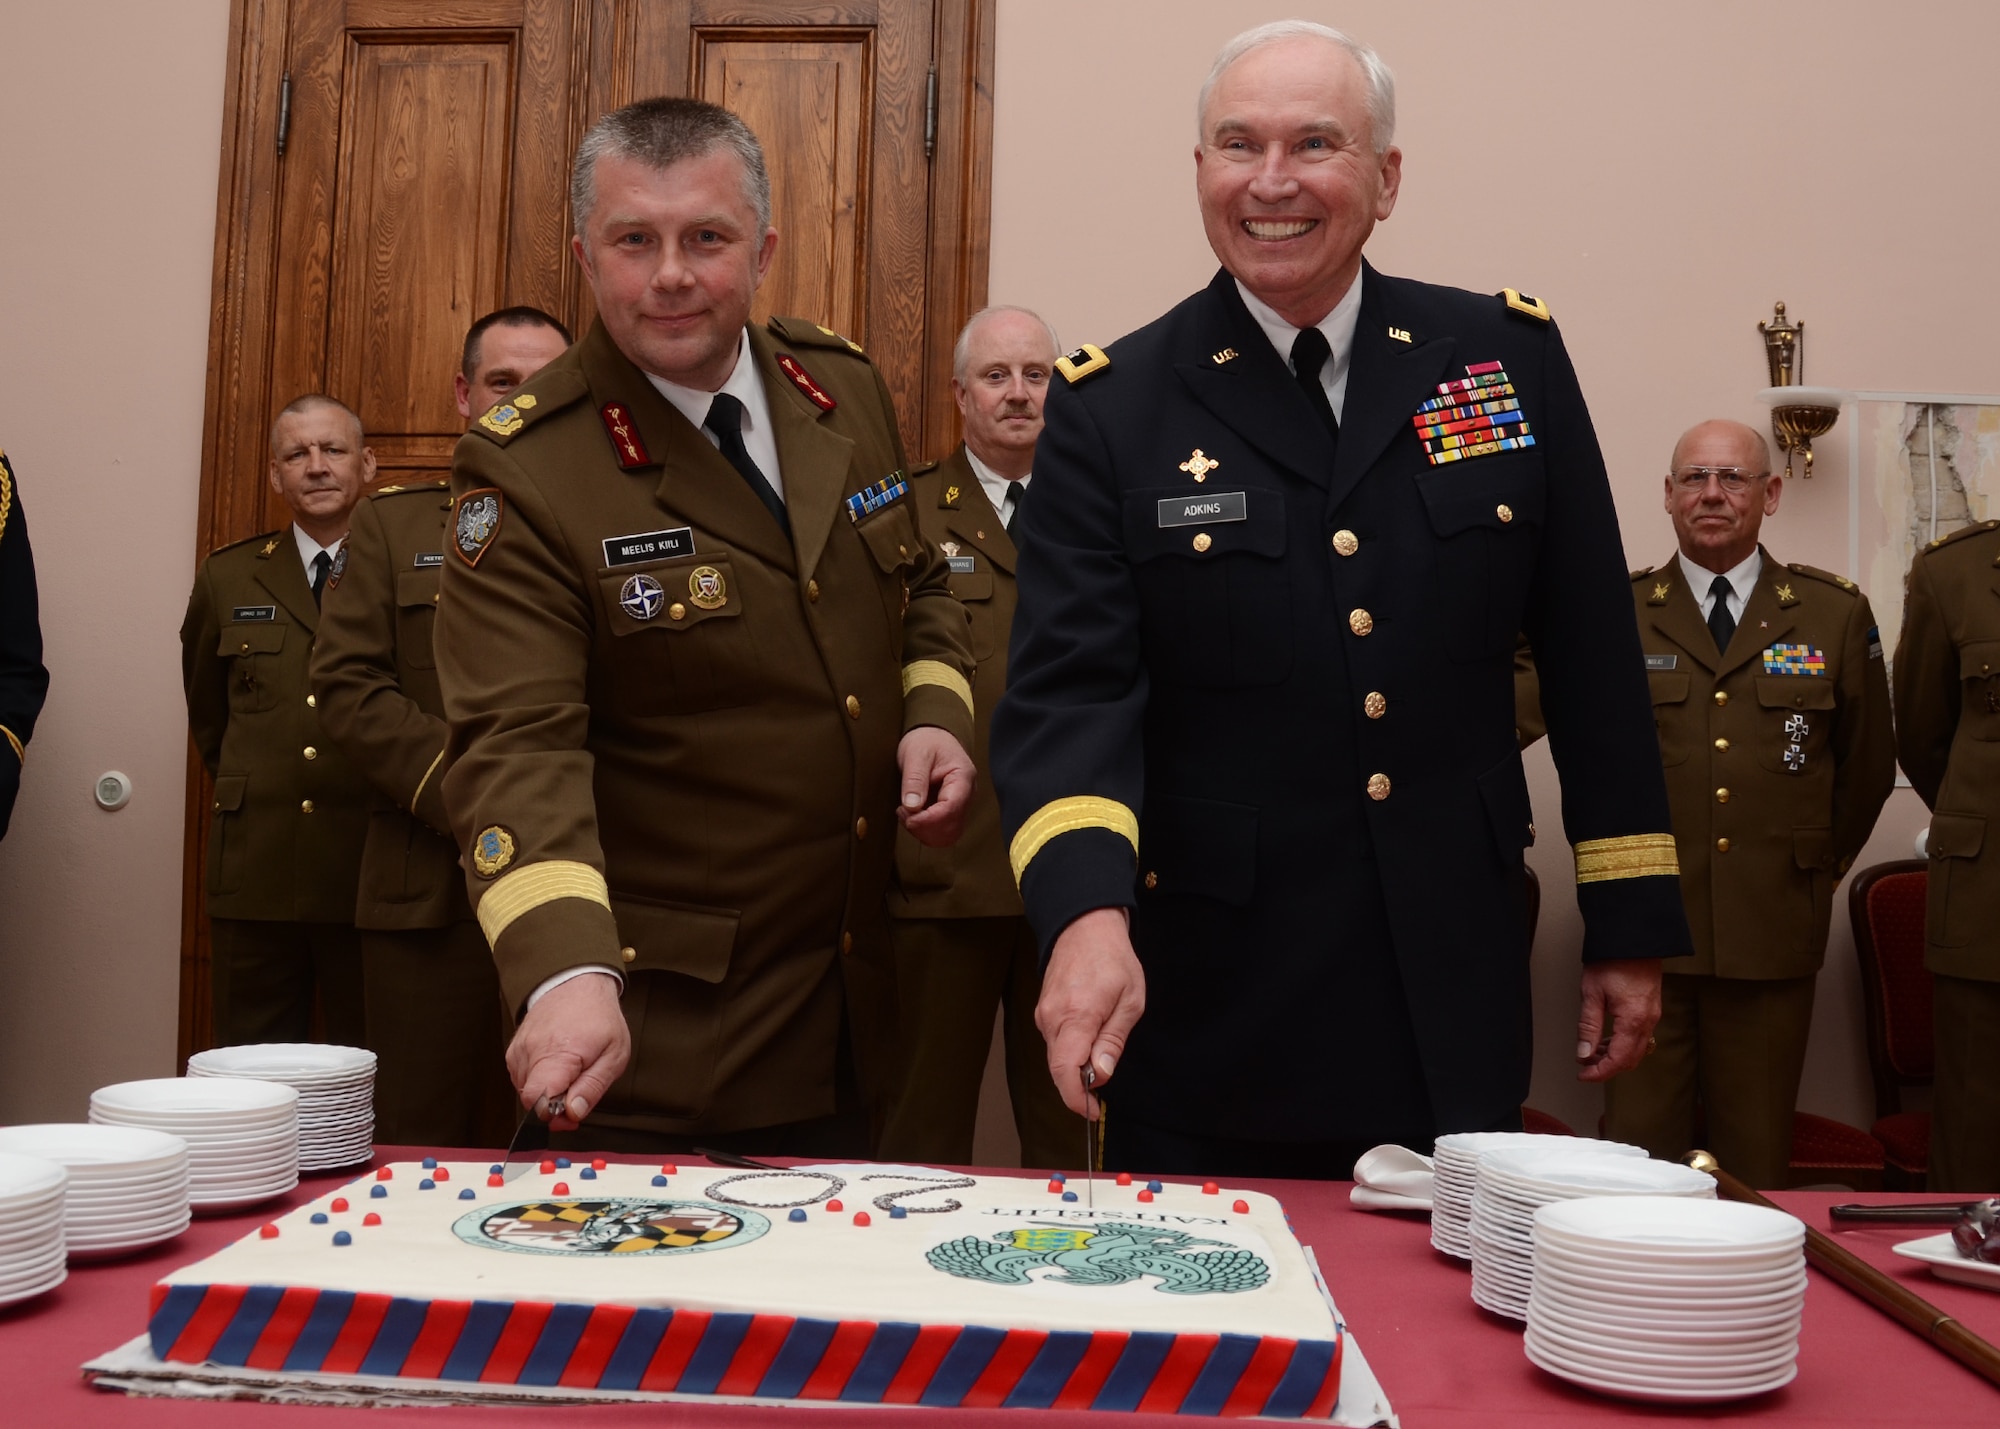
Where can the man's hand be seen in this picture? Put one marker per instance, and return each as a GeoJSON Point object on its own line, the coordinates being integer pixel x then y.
{"type": "Point", "coordinates": [937, 785]}
{"type": "Point", "coordinates": [1621, 1006]}
{"type": "Point", "coordinates": [572, 1045]}
{"type": "Point", "coordinates": [1092, 994]}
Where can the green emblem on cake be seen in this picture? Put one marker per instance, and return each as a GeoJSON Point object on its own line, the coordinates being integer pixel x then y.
{"type": "Point", "coordinates": [1111, 1254]}
{"type": "Point", "coordinates": [610, 1227]}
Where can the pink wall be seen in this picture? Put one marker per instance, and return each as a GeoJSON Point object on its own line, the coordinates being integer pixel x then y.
{"type": "Point", "coordinates": [112, 123]}
{"type": "Point", "coordinates": [1645, 170]}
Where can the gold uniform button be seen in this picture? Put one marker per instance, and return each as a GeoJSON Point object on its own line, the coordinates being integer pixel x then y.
{"type": "Point", "coordinates": [1374, 706]}
{"type": "Point", "coordinates": [1360, 621]}
{"type": "Point", "coordinates": [677, 611]}
{"type": "Point", "coordinates": [1152, 880]}
{"type": "Point", "coordinates": [1346, 542]}
{"type": "Point", "coordinates": [246, 647]}
{"type": "Point", "coordinates": [1723, 745]}
{"type": "Point", "coordinates": [311, 753]}
{"type": "Point", "coordinates": [1504, 512]}
{"type": "Point", "coordinates": [1721, 796]}
{"type": "Point", "coordinates": [853, 708]}
{"type": "Point", "coordinates": [1378, 787]}
{"type": "Point", "coordinates": [1721, 698]}
{"type": "Point", "coordinates": [628, 954]}
{"type": "Point", "coordinates": [847, 942]}
{"type": "Point", "coordinates": [861, 828]}
{"type": "Point", "coordinates": [1722, 845]}
{"type": "Point", "coordinates": [1202, 541]}
{"type": "Point", "coordinates": [305, 806]}
{"type": "Point", "coordinates": [902, 550]}
{"type": "Point", "coordinates": [312, 702]}
{"type": "Point", "coordinates": [434, 600]}
{"type": "Point", "coordinates": [812, 591]}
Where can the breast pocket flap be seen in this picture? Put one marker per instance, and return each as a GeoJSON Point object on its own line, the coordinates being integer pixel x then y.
{"type": "Point", "coordinates": [1174, 522]}
{"type": "Point", "coordinates": [1978, 658]}
{"type": "Point", "coordinates": [1200, 846]}
{"type": "Point", "coordinates": [263, 637]}
{"type": "Point", "coordinates": [676, 594]}
{"type": "Point", "coordinates": [1956, 835]}
{"type": "Point", "coordinates": [1497, 493]}
{"type": "Point", "coordinates": [229, 791]}
{"type": "Point", "coordinates": [889, 537]}
{"type": "Point", "coordinates": [416, 588]}
{"type": "Point", "coordinates": [676, 937]}
{"type": "Point", "coordinates": [1668, 688]}
{"type": "Point", "coordinates": [1795, 692]}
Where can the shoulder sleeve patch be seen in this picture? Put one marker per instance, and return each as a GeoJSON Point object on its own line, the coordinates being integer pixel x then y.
{"type": "Point", "coordinates": [1520, 302]}
{"type": "Point", "coordinates": [805, 332]}
{"type": "Point", "coordinates": [1819, 575]}
{"type": "Point", "coordinates": [1086, 361]}
{"type": "Point", "coordinates": [475, 521]}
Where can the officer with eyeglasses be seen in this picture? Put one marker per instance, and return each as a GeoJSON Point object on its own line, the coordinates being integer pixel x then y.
{"type": "Point", "coordinates": [1773, 712]}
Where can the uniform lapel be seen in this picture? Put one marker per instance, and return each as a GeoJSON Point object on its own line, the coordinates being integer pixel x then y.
{"type": "Point", "coordinates": [1678, 617]}
{"type": "Point", "coordinates": [815, 461]}
{"type": "Point", "coordinates": [283, 574]}
{"type": "Point", "coordinates": [1243, 381]}
{"type": "Point", "coordinates": [1387, 379]}
{"type": "Point", "coordinates": [1764, 621]}
{"type": "Point", "coordinates": [973, 518]}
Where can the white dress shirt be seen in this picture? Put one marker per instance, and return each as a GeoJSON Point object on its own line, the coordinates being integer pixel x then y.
{"type": "Point", "coordinates": [1742, 580]}
{"type": "Point", "coordinates": [1338, 326]}
{"type": "Point", "coordinates": [746, 387]}
{"type": "Point", "coordinates": [994, 485]}
{"type": "Point", "coordinates": [309, 550]}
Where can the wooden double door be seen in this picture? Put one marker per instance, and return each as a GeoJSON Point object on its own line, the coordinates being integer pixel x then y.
{"type": "Point", "coordinates": [393, 169]}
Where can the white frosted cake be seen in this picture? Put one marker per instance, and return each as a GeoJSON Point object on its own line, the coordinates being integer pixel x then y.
{"type": "Point", "coordinates": [852, 1283]}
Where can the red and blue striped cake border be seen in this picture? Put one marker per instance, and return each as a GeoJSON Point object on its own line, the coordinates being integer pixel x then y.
{"type": "Point", "coordinates": [622, 1347]}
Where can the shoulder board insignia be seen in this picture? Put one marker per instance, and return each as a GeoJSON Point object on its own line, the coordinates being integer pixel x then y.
{"type": "Point", "coordinates": [269, 546]}
{"type": "Point", "coordinates": [503, 419]}
{"type": "Point", "coordinates": [1641, 574]}
{"type": "Point", "coordinates": [6, 492]}
{"type": "Point", "coordinates": [388, 490]}
{"type": "Point", "coordinates": [806, 332]}
{"type": "Point", "coordinates": [924, 468]}
{"type": "Point", "coordinates": [269, 538]}
{"type": "Point", "coordinates": [476, 522]}
{"type": "Point", "coordinates": [1520, 302]}
{"type": "Point", "coordinates": [803, 380]}
{"type": "Point", "coordinates": [407, 488]}
{"type": "Point", "coordinates": [1084, 362]}
{"type": "Point", "coordinates": [1961, 533]}
{"type": "Point", "coordinates": [624, 433]}
{"type": "Point", "coordinates": [1819, 575]}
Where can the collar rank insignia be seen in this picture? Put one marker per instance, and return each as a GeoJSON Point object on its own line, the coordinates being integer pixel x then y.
{"type": "Point", "coordinates": [477, 523]}
{"type": "Point", "coordinates": [1199, 465]}
{"type": "Point", "coordinates": [338, 568]}
{"type": "Point", "coordinates": [269, 546]}
{"type": "Point", "coordinates": [503, 419]}
{"type": "Point", "coordinates": [950, 548]}
{"type": "Point", "coordinates": [624, 434]}
{"type": "Point", "coordinates": [1660, 590]}
{"type": "Point", "coordinates": [803, 380]}
{"type": "Point", "coordinates": [1084, 362]}
{"type": "Point", "coordinates": [871, 499]}
{"type": "Point", "coordinates": [1785, 596]}
{"type": "Point", "coordinates": [1794, 660]}
{"type": "Point", "coordinates": [1400, 334]}
{"type": "Point", "coordinates": [1475, 415]}
{"type": "Point", "coordinates": [950, 498]}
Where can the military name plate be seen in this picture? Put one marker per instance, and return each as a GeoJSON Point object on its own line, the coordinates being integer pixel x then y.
{"type": "Point", "coordinates": [1202, 510]}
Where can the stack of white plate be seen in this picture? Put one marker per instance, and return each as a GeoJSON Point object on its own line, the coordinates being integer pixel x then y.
{"type": "Point", "coordinates": [1455, 1165]}
{"type": "Point", "coordinates": [1513, 1183]}
{"type": "Point", "coordinates": [128, 1188]}
{"type": "Point", "coordinates": [242, 1136]}
{"type": "Point", "coordinates": [31, 1226]}
{"type": "Point", "coordinates": [336, 1093]}
{"type": "Point", "coordinates": [1651, 1297]}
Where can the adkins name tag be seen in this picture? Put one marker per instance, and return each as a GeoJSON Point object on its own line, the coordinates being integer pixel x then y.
{"type": "Point", "coordinates": [254, 612]}
{"type": "Point", "coordinates": [648, 546]}
{"type": "Point", "coordinates": [1201, 510]}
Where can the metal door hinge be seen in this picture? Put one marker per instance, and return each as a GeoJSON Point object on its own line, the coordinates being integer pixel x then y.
{"type": "Point", "coordinates": [930, 114]}
{"type": "Point", "coordinates": [284, 111]}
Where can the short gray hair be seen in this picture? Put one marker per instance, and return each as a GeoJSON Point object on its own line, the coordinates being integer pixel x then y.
{"type": "Point", "coordinates": [312, 402]}
{"type": "Point", "coordinates": [661, 133]}
{"type": "Point", "coordinates": [1381, 83]}
{"type": "Point", "coordinates": [962, 349]}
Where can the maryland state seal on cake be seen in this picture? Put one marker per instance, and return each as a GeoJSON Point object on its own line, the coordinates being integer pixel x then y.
{"type": "Point", "coordinates": [866, 1287]}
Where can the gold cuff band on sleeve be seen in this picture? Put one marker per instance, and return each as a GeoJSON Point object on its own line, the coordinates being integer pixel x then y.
{"type": "Point", "coordinates": [1633, 856]}
{"type": "Point", "coordinates": [529, 887]}
{"type": "Point", "coordinates": [936, 672]}
{"type": "Point", "coordinates": [425, 780]}
{"type": "Point", "coordinates": [14, 741]}
{"type": "Point", "coordinates": [1066, 816]}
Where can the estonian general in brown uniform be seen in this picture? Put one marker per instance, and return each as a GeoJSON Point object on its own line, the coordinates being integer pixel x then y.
{"type": "Point", "coordinates": [688, 633]}
{"type": "Point", "coordinates": [1773, 712]}
{"type": "Point", "coordinates": [1948, 735]}
{"type": "Point", "coordinates": [963, 944]}
{"type": "Point", "coordinates": [284, 850]}
{"type": "Point", "coordinates": [433, 1000]}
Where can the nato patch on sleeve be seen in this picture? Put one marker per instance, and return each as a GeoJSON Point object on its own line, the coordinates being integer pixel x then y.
{"type": "Point", "coordinates": [1202, 510]}
{"type": "Point", "coordinates": [645, 546]}
{"type": "Point", "coordinates": [1874, 642]}
{"type": "Point", "coordinates": [1662, 662]}
{"type": "Point", "coordinates": [254, 612]}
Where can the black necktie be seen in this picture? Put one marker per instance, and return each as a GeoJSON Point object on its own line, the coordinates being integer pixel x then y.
{"type": "Point", "coordinates": [1721, 624]}
{"type": "Point", "coordinates": [1310, 351]}
{"type": "Point", "coordinates": [322, 563]}
{"type": "Point", "coordinates": [725, 419]}
{"type": "Point", "coordinates": [1017, 492]}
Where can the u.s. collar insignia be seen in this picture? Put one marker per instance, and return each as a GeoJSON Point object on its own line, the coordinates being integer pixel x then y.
{"type": "Point", "coordinates": [338, 568]}
{"type": "Point", "coordinates": [503, 419]}
{"type": "Point", "coordinates": [477, 523]}
{"type": "Point", "coordinates": [641, 597]}
{"type": "Point", "coordinates": [706, 588]}
{"type": "Point", "coordinates": [492, 851]}
{"type": "Point", "coordinates": [1400, 334]}
{"type": "Point", "coordinates": [1199, 465]}
{"type": "Point", "coordinates": [1660, 589]}
{"type": "Point", "coordinates": [1785, 596]}
{"type": "Point", "coordinates": [1228, 354]}
{"type": "Point", "coordinates": [624, 434]}
{"type": "Point", "coordinates": [803, 380]}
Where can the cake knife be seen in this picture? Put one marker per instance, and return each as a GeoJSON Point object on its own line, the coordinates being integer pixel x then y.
{"type": "Point", "coordinates": [1091, 1146]}
{"type": "Point", "coordinates": [531, 1139]}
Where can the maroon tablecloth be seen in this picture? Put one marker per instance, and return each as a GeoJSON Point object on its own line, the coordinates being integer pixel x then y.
{"type": "Point", "coordinates": [1444, 1363]}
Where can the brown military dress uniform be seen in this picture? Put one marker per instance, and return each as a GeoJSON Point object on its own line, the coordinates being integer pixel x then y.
{"type": "Point", "coordinates": [433, 997]}
{"type": "Point", "coordinates": [963, 945]}
{"type": "Point", "coordinates": [1948, 737]}
{"type": "Point", "coordinates": [284, 847]}
{"type": "Point", "coordinates": [674, 729]}
{"type": "Point", "coordinates": [1779, 755]}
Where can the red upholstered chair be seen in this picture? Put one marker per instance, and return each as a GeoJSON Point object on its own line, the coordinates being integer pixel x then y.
{"type": "Point", "coordinates": [1542, 1124]}
{"type": "Point", "coordinates": [1886, 903]}
{"type": "Point", "coordinates": [1826, 1150]}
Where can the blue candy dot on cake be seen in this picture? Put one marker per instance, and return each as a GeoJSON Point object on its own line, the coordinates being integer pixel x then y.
{"type": "Point", "coordinates": [1155, 1187]}
{"type": "Point", "coordinates": [430, 1163]}
{"type": "Point", "coordinates": [342, 1238]}
{"type": "Point", "coordinates": [897, 1213]}
{"type": "Point", "coordinates": [798, 1212]}
{"type": "Point", "coordinates": [496, 1169]}
{"type": "Point", "coordinates": [1069, 1195]}
{"type": "Point", "coordinates": [319, 1218]}
{"type": "Point", "coordinates": [466, 1194]}
{"type": "Point", "coordinates": [587, 1174]}
{"type": "Point", "coordinates": [1058, 1176]}
{"type": "Point", "coordinates": [659, 1180]}
{"type": "Point", "coordinates": [562, 1163]}
{"type": "Point", "coordinates": [378, 1191]}
{"type": "Point", "coordinates": [427, 1184]}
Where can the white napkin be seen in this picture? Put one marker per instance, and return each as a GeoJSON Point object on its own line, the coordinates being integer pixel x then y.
{"type": "Point", "coordinates": [1391, 1178]}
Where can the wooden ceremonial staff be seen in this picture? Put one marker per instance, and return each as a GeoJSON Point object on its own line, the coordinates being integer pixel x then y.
{"type": "Point", "coordinates": [1910, 1310]}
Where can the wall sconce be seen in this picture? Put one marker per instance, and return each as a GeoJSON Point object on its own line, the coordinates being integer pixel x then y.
{"type": "Point", "coordinates": [1798, 413]}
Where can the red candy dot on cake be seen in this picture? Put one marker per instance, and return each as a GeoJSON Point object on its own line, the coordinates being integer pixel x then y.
{"type": "Point", "coordinates": [597, 1163]}
{"type": "Point", "coordinates": [670, 1170]}
{"type": "Point", "coordinates": [371, 1219]}
{"type": "Point", "coordinates": [1242, 1208]}
{"type": "Point", "coordinates": [1124, 1178]}
{"type": "Point", "coordinates": [386, 1174]}
{"type": "Point", "coordinates": [1055, 1188]}
{"type": "Point", "coordinates": [548, 1168]}
{"type": "Point", "coordinates": [1209, 1188]}
{"type": "Point", "coordinates": [1145, 1195]}
{"type": "Point", "coordinates": [496, 1179]}
{"type": "Point", "coordinates": [268, 1232]}
{"type": "Point", "coordinates": [861, 1218]}
{"type": "Point", "coordinates": [339, 1204]}
{"type": "Point", "coordinates": [443, 1173]}
{"type": "Point", "coordinates": [561, 1188]}
{"type": "Point", "coordinates": [835, 1207]}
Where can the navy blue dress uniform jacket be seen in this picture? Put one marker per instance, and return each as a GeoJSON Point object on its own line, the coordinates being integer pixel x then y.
{"type": "Point", "coordinates": [1297, 710]}
{"type": "Point", "coordinates": [24, 681]}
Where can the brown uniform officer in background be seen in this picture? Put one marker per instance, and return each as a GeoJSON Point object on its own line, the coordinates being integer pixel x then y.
{"type": "Point", "coordinates": [963, 946]}
{"type": "Point", "coordinates": [685, 644]}
{"type": "Point", "coordinates": [1948, 735]}
{"type": "Point", "coordinates": [433, 999]}
{"type": "Point", "coordinates": [284, 850]}
{"type": "Point", "coordinates": [1773, 711]}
